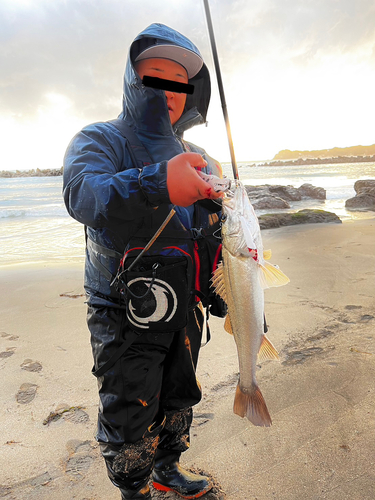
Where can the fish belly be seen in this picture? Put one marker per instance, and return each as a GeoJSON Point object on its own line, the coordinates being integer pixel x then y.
{"type": "Point", "coordinates": [245, 301]}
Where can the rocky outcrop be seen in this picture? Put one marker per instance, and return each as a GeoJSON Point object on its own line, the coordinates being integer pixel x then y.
{"type": "Point", "coordinates": [289, 193]}
{"type": "Point", "coordinates": [313, 192]}
{"type": "Point", "coordinates": [306, 216]}
{"type": "Point", "coordinates": [365, 186]}
{"type": "Point", "coordinates": [269, 201]}
{"type": "Point", "coordinates": [276, 196]}
{"type": "Point", "coordinates": [365, 196]}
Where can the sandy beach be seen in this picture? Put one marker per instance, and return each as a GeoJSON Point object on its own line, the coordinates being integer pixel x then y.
{"type": "Point", "coordinates": [320, 394]}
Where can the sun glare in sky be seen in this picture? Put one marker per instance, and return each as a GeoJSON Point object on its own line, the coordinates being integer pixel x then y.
{"type": "Point", "coordinates": [271, 109]}
{"type": "Point", "coordinates": [268, 111]}
{"type": "Point", "coordinates": [39, 142]}
{"type": "Point", "coordinates": [281, 92]}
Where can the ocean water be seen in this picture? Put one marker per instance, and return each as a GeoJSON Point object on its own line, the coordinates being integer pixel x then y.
{"type": "Point", "coordinates": [35, 226]}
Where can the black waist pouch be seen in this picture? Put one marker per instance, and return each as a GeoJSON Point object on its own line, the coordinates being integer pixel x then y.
{"type": "Point", "coordinates": [157, 293]}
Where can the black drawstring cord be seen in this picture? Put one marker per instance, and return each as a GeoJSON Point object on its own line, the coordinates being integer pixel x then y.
{"type": "Point", "coordinates": [154, 268]}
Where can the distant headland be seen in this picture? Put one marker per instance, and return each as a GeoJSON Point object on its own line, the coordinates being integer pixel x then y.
{"type": "Point", "coordinates": [353, 154]}
{"type": "Point", "coordinates": [45, 172]}
{"type": "Point", "coordinates": [356, 151]}
{"type": "Point", "coordinates": [317, 161]}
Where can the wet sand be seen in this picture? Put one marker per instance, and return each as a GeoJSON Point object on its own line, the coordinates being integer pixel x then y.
{"type": "Point", "coordinates": [320, 394]}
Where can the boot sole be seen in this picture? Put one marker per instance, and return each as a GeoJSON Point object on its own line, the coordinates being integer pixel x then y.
{"type": "Point", "coordinates": [161, 487]}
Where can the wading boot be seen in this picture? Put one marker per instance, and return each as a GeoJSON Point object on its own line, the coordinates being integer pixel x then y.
{"type": "Point", "coordinates": [142, 493]}
{"type": "Point", "coordinates": [168, 475]}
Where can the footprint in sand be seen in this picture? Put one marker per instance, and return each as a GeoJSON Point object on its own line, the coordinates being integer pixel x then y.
{"type": "Point", "coordinates": [31, 366]}
{"type": "Point", "coordinates": [201, 419]}
{"type": "Point", "coordinates": [26, 393]}
{"type": "Point", "coordinates": [10, 350]}
{"type": "Point", "coordinates": [8, 336]}
{"type": "Point", "coordinates": [7, 353]}
{"type": "Point", "coordinates": [366, 317]}
{"type": "Point", "coordinates": [81, 456]}
{"type": "Point", "coordinates": [77, 416]}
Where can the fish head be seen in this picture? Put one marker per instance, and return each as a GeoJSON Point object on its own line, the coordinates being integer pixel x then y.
{"type": "Point", "coordinates": [240, 228]}
{"type": "Point", "coordinates": [231, 229]}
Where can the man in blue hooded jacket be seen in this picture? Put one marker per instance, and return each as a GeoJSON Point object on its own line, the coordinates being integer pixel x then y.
{"type": "Point", "coordinates": [121, 186]}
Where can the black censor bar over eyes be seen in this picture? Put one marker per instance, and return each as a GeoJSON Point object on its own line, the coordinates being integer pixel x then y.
{"type": "Point", "coordinates": [160, 83]}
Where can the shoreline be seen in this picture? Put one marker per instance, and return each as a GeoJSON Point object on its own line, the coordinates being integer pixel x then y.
{"type": "Point", "coordinates": [23, 259]}
{"type": "Point", "coordinates": [319, 395]}
{"type": "Point", "coordinates": [302, 161]}
{"type": "Point", "coordinates": [78, 259]}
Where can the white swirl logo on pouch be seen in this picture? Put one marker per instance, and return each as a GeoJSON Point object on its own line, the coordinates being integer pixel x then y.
{"type": "Point", "coordinates": [160, 304]}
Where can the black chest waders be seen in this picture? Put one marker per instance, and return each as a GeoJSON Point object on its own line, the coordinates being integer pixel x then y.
{"type": "Point", "coordinates": [159, 282]}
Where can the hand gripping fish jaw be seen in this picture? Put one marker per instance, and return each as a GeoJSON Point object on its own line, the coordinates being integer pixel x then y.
{"type": "Point", "coordinates": [218, 184]}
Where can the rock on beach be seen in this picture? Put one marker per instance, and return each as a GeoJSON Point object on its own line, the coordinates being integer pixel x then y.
{"type": "Point", "coordinates": [306, 216]}
{"type": "Point", "coordinates": [277, 196]}
{"type": "Point", "coordinates": [365, 195]}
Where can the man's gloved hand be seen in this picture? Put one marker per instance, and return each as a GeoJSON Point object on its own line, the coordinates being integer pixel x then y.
{"type": "Point", "coordinates": [184, 185]}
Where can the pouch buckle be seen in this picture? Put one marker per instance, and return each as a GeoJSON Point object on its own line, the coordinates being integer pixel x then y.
{"type": "Point", "coordinates": [197, 233]}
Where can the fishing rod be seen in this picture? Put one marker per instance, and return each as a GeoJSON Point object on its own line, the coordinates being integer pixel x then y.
{"type": "Point", "coordinates": [221, 88]}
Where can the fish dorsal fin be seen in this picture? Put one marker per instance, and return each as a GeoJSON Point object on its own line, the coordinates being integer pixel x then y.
{"type": "Point", "coordinates": [267, 350]}
{"type": "Point", "coordinates": [228, 325]}
{"type": "Point", "coordinates": [272, 276]}
{"type": "Point", "coordinates": [267, 254]}
{"type": "Point", "coordinates": [217, 281]}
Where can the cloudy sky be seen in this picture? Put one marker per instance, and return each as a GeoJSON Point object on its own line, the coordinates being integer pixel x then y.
{"type": "Point", "coordinates": [298, 74]}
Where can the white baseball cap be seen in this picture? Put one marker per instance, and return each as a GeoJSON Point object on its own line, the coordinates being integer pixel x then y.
{"type": "Point", "coordinates": [191, 61]}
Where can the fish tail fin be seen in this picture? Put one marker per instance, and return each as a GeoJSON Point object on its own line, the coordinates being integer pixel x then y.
{"type": "Point", "coordinates": [267, 350]}
{"type": "Point", "coordinates": [252, 406]}
{"type": "Point", "coordinates": [272, 276]}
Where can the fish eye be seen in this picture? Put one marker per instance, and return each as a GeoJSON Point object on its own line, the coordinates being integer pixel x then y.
{"type": "Point", "coordinates": [224, 217]}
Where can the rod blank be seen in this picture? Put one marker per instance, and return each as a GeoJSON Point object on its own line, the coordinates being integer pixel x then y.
{"type": "Point", "coordinates": [221, 87]}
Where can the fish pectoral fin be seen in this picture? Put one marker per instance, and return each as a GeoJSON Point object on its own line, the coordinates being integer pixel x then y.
{"type": "Point", "coordinates": [218, 283]}
{"type": "Point", "coordinates": [228, 325]}
{"type": "Point", "coordinates": [267, 350]}
{"type": "Point", "coordinates": [267, 254]}
{"type": "Point", "coordinates": [252, 406]}
{"type": "Point", "coordinates": [272, 276]}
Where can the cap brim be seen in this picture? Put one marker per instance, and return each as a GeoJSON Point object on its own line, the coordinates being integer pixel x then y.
{"type": "Point", "coordinates": [191, 61]}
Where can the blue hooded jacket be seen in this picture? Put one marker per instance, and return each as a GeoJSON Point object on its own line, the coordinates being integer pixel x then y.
{"type": "Point", "coordinates": [103, 189]}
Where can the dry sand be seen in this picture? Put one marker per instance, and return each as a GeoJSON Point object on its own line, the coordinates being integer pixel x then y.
{"type": "Point", "coordinates": [320, 395]}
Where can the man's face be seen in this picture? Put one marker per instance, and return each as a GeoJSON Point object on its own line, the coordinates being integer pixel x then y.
{"type": "Point", "coordinates": [168, 70]}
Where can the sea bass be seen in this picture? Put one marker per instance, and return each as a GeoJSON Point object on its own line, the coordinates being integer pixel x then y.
{"type": "Point", "coordinates": [240, 281]}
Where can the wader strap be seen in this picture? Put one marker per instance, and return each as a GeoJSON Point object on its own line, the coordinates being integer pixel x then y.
{"type": "Point", "coordinates": [94, 247]}
{"type": "Point", "coordinates": [139, 154]}
{"type": "Point", "coordinates": [130, 338]}
{"type": "Point", "coordinates": [108, 252]}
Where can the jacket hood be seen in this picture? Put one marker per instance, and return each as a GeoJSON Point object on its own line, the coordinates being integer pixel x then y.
{"type": "Point", "coordinates": [146, 107]}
